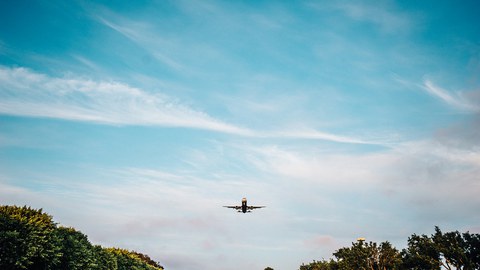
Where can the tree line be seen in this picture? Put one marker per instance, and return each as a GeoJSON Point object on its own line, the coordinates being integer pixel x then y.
{"type": "Point", "coordinates": [29, 239]}
{"type": "Point", "coordinates": [451, 250]}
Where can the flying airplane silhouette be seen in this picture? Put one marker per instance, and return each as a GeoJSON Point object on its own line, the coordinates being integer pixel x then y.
{"type": "Point", "coordinates": [244, 207]}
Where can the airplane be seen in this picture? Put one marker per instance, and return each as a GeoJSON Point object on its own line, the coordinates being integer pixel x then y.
{"type": "Point", "coordinates": [244, 207]}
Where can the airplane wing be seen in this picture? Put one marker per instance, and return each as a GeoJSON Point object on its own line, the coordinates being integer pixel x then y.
{"type": "Point", "coordinates": [236, 207]}
{"type": "Point", "coordinates": [255, 207]}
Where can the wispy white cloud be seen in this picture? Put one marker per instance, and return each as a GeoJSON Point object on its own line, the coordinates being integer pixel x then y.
{"type": "Point", "coordinates": [434, 183]}
{"type": "Point", "coordinates": [27, 93]}
{"type": "Point", "coordinates": [318, 135]}
{"type": "Point", "coordinates": [24, 92]}
{"type": "Point", "coordinates": [327, 170]}
{"type": "Point", "coordinates": [455, 100]}
{"type": "Point", "coordinates": [144, 35]}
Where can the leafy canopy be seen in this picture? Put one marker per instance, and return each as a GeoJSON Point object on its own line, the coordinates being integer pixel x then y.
{"type": "Point", "coordinates": [29, 239]}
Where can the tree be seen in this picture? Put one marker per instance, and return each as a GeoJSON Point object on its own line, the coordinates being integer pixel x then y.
{"type": "Point", "coordinates": [361, 255]}
{"type": "Point", "coordinates": [28, 239]}
{"type": "Point", "coordinates": [472, 250]}
{"type": "Point", "coordinates": [146, 259]}
{"type": "Point", "coordinates": [77, 251]}
{"type": "Point", "coordinates": [451, 250]}
{"type": "Point", "coordinates": [389, 257]}
{"type": "Point", "coordinates": [451, 246]}
{"type": "Point", "coordinates": [127, 260]}
{"type": "Point", "coordinates": [421, 253]}
{"type": "Point", "coordinates": [456, 249]}
{"type": "Point", "coordinates": [104, 260]}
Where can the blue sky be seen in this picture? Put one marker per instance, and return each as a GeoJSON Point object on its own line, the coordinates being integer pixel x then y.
{"type": "Point", "coordinates": [135, 123]}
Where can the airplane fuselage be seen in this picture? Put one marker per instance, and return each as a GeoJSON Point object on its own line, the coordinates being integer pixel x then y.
{"type": "Point", "coordinates": [244, 205]}
{"type": "Point", "coordinates": [244, 208]}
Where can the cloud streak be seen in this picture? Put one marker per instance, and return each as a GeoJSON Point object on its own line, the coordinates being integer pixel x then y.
{"type": "Point", "coordinates": [142, 34]}
{"type": "Point", "coordinates": [456, 101]}
{"type": "Point", "coordinates": [24, 92]}
{"type": "Point", "coordinates": [318, 135]}
{"type": "Point", "coordinates": [27, 93]}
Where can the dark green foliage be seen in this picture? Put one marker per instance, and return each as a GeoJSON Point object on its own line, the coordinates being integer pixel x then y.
{"type": "Point", "coordinates": [451, 250]}
{"type": "Point", "coordinates": [368, 256]}
{"type": "Point", "coordinates": [104, 260]}
{"type": "Point", "coordinates": [29, 239]}
{"type": "Point", "coordinates": [389, 257]}
{"type": "Point", "coordinates": [421, 253]}
{"type": "Point", "coordinates": [472, 250]}
{"type": "Point", "coordinates": [77, 252]}
{"type": "Point", "coordinates": [359, 256]}
{"type": "Point", "coordinates": [459, 251]}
